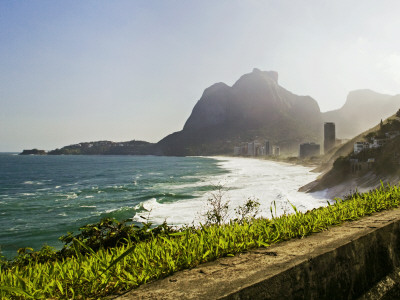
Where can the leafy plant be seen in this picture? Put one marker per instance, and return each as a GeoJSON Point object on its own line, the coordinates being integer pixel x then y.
{"type": "Point", "coordinates": [217, 207]}
{"type": "Point", "coordinates": [249, 210]}
{"type": "Point", "coordinates": [92, 275]}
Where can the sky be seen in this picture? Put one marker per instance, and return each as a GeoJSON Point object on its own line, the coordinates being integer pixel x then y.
{"type": "Point", "coordinates": [80, 71]}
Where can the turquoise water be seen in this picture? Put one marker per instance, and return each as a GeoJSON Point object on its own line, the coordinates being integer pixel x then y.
{"type": "Point", "coordinates": [43, 197]}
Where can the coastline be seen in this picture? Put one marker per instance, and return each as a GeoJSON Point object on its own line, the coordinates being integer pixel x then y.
{"type": "Point", "coordinates": [357, 184]}
{"type": "Point", "coordinates": [273, 183]}
{"type": "Point", "coordinates": [285, 160]}
{"type": "Point", "coordinates": [71, 189]}
{"type": "Point", "coordinates": [361, 184]}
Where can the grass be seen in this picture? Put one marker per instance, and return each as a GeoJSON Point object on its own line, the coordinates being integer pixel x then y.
{"type": "Point", "coordinates": [105, 272]}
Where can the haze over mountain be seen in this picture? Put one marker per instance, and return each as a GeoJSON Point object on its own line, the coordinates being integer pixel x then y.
{"type": "Point", "coordinates": [256, 106]}
{"type": "Point", "coordinates": [363, 109]}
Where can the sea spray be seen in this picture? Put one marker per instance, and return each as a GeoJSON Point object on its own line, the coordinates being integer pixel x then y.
{"type": "Point", "coordinates": [77, 190]}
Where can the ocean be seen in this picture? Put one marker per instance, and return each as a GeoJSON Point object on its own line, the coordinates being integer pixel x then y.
{"type": "Point", "coordinates": [44, 197]}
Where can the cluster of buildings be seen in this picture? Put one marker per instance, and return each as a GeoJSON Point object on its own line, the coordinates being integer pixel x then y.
{"type": "Point", "coordinates": [375, 142]}
{"type": "Point", "coordinates": [309, 149]}
{"type": "Point", "coordinates": [330, 141]}
{"type": "Point", "coordinates": [256, 148]}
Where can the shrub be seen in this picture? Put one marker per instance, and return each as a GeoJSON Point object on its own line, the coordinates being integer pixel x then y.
{"type": "Point", "coordinates": [248, 211]}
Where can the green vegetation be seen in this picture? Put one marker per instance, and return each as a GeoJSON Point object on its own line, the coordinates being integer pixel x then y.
{"type": "Point", "coordinates": [90, 274]}
{"type": "Point", "coordinates": [106, 234]}
{"type": "Point", "coordinates": [380, 159]}
{"type": "Point", "coordinates": [107, 148]}
{"type": "Point", "coordinates": [387, 155]}
{"type": "Point", "coordinates": [33, 152]}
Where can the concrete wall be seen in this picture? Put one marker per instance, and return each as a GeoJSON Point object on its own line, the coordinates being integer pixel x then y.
{"type": "Point", "coordinates": [357, 259]}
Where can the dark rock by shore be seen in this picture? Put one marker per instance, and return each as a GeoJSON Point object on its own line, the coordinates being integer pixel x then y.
{"type": "Point", "coordinates": [33, 152]}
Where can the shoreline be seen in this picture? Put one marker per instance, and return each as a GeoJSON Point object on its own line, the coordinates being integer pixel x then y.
{"type": "Point", "coordinates": [286, 160]}
{"type": "Point", "coordinates": [361, 184]}
{"type": "Point", "coordinates": [269, 181]}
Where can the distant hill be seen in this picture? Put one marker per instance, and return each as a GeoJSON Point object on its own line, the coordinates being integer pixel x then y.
{"type": "Point", "coordinates": [107, 148]}
{"type": "Point", "coordinates": [363, 109]}
{"type": "Point", "coordinates": [33, 152]}
{"type": "Point", "coordinates": [256, 106]}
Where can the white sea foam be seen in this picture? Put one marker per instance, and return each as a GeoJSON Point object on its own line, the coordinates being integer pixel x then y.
{"type": "Point", "coordinates": [265, 180]}
{"type": "Point", "coordinates": [33, 182]}
{"type": "Point", "coordinates": [72, 196]}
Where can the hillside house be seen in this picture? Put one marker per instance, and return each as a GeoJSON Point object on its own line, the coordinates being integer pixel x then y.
{"type": "Point", "coordinates": [392, 134]}
{"type": "Point", "coordinates": [376, 143]}
{"type": "Point", "coordinates": [360, 146]}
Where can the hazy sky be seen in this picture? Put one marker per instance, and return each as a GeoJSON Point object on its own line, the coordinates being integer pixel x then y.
{"type": "Point", "coordinates": [75, 71]}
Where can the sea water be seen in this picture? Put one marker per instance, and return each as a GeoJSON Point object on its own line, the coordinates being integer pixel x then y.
{"type": "Point", "coordinates": [44, 197]}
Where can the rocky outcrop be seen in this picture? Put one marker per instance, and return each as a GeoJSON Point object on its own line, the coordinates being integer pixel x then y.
{"type": "Point", "coordinates": [212, 109]}
{"type": "Point", "coordinates": [256, 106]}
{"type": "Point", "coordinates": [33, 152]}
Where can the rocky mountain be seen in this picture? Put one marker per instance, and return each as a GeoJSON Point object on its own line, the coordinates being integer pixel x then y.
{"type": "Point", "coordinates": [363, 109]}
{"type": "Point", "coordinates": [256, 106]}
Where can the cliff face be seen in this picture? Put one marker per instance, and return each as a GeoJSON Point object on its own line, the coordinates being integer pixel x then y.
{"type": "Point", "coordinates": [254, 100]}
{"type": "Point", "coordinates": [363, 109]}
{"type": "Point", "coordinates": [256, 106]}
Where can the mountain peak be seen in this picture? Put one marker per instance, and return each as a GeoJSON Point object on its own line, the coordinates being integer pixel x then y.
{"type": "Point", "coordinates": [254, 106]}
{"type": "Point", "coordinates": [215, 88]}
{"type": "Point", "coordinates": [258, 80]}
{"type": "Point", "coordinates": [363, 109]}
{"type": "Point", "coordinates": [269, 74]}
{"type": "Point", "coordinates": [364, 97]}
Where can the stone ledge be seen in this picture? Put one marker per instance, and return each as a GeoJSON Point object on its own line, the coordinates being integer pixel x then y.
{"type": "Point", "coordinates": [344, 262]}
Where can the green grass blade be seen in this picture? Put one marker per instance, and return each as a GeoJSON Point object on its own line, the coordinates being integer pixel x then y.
{"type": "Point", "coordinates": [15, 290]}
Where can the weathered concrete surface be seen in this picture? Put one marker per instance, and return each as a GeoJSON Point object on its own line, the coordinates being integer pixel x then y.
{"type": "Point", "coordinates": [344, 262]}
